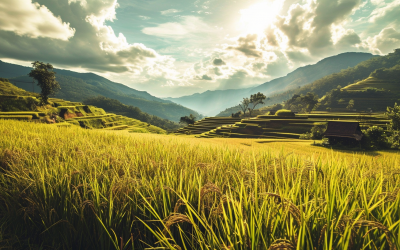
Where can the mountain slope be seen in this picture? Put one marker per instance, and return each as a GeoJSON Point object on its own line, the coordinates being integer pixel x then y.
{"type": "Point", "coordinates": [328, 83]}
{"type": "Point", "coordinates": [79, 86]}
{"type": "Point", "coordinates": [210, 102]}
{"type": "Point", "coordinates": [310, 73]}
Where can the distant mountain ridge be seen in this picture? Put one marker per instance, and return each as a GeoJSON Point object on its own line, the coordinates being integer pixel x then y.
{"type": "Point", "coordinates": [79, 86]}
{"type": "Point", "coordinates": [212, 102]}
{"type": "Point", "coordinates": [331, 82]}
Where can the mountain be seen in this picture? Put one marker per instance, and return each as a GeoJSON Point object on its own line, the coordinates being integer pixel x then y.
{"type": "Point", "coordinates": [331, 82]}
{"type": "Point", "coordinates": [210, 102]}
{"type": "Point", "coordinates": [80, 86]}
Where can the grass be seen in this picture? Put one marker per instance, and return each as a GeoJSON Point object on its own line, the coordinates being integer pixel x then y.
{"type": "Point", "coordinates": [70, 188]}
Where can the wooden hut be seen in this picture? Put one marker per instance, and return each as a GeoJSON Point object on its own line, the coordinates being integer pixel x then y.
{"type": "Point", "coordinates": [347, 133]}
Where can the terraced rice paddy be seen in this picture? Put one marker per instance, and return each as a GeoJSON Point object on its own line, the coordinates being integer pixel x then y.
{"type": "Point", "coordinates": [280, 127]}
{"type": "Point", "coordinates": [372, 82]}
{"type": "Point", "coordinates": [206, 125]}
{"type": "Point", "coordinates": [70, 188]}
{"type": "Point", "coordinates": [90, 117]}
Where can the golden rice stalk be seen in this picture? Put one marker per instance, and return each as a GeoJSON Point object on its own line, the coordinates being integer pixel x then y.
{"type": "Point", "coordinates": [282, 244]}
{"type": "Point", "coordinates": [293, 209]}
{"type": "Point", "coordinates": [179, 203]}
{"type": "Point", "coordinates": [377, 225]}
{"type": "Point", "coordinates": [173, 219]}
{"type": "Point", "coordinates": [208, 188]}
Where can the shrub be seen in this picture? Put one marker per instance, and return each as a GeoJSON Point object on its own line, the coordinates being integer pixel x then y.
{"type": "Point", "coordinates": [317, 132]}
{"type": "Point", "coordinates": [284, 112]}
{"type": "Point", "coordinates": [374, 137]}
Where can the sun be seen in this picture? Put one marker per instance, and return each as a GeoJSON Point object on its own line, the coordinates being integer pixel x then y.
{"type": "Point", "coordinates": [258, 16]}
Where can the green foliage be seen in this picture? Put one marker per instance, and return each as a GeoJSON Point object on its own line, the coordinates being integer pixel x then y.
{"type": "Point", "coordinates": [237, 114]}
{"type": "Point", "coordinates": [46, 78]}
{"type": "Point", "coordinates": [115, 106]}
{"type": "Point", "coordinates": [188, 119]}
{"type": "Point", "coordinates": [389, 74]}
{"type": "Point", "coordinates": [317, 132]}
{"type": "Point", "coordinates": [302, 103]}
{"type": "Point", "coordinates": [393, 114]}
{"type": "Point", "coordinates": [394, 127]}
{"type": "Point", "coordinates": [255, 100]}
{"type": "Point", "coordinates": [375, 137]}
{"type": "Point", "coordinates": [18, 103]}
{"type": "Point", "coordinates": [244, 104]}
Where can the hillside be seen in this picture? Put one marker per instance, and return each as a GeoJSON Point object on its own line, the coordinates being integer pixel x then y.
{"type": "Point", "coordinates": [79, 86]}
{"type": "Point", "coordinates": [380, 90]}
{"type": "Point", "coordinates": [212, 102]}
{"type": "Point", "coordinates": [7, 88]}
{"type": "Point", "coordinates": [115, 106]}
{"type": "Point", "coordinates": [337, 80]}
{"type": "Point", "coordinates": [18, 104]}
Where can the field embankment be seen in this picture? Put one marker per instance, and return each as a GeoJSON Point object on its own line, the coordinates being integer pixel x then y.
{"type": "Point", "coordinates": [69, 188]}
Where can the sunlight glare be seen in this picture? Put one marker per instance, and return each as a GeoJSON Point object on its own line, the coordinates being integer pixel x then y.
{"type": "Point", "coordinates": [258, 16]}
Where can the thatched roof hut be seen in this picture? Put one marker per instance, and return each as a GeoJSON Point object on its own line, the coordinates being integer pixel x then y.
{"type": "Point", "coordinates": [350, 130]}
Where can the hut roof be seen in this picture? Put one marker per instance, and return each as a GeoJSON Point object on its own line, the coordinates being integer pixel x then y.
{"type": "Point", "coordinates": [344, 129]}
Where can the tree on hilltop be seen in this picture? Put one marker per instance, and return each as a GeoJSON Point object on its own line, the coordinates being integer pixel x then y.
{"type": "Point", "coordinates": [46, 78]}
{"type": "Point", "coordinates": [255, 100]}
{"type": "Point", "coordinates": [244, 104]}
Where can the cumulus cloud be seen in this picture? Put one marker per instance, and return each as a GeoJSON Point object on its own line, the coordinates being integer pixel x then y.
{"type": "Point", "coordinates": [312, 26]}
{"type": "Point", "coordinates": [386, 41]}
{"type": "Point", "coordinates": [385, 16]}
{"type": "Point", "coordinates": [94, 46]}
{"type": "Point", "coordinates": [247, 45]}
{"type": "Point", "coordinates": [25, 18]}
{"type": "Point", "coordinates": [218, 62]}
{"type": "Point", "coordinates": [203, 77]}
{"type": "Point", "coordinates": [176, 30]}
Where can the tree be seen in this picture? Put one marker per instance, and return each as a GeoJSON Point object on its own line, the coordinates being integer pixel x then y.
{"type": "Point", "coordinates": [351, 105]}
{"type": "Point", "coordinates": [46, 78]}
{"type": "Point", "coordinates": [393, 114]}
{"type": "Point", "coordinates": [255, 100]}
{"type": "Point", "coordinates": [188, 119]}
{"type": "Point", "coordinates": [244, 105]}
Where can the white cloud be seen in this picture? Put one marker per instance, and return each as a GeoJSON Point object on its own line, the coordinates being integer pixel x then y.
{"type": "Point", "coordinates": [176, 30]}
{"type": "Point", "coordinates": [145, 17]}
{"type": "Point", "coordinates": [94, 47]}
{"type": "Point", "coordinates": [386, 41]}
{"type": "Point", "coordinates": [377, 2]}
{"type": "Point", "coordinates": [170, 12]}
{"type": "Point", "coordinates": [32, 20]}
{"type": "Point", "coordinates": [386, 15]}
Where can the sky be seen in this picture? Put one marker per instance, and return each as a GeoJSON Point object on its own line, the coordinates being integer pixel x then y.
{"type": "Point", "coordinates": [172, 48]}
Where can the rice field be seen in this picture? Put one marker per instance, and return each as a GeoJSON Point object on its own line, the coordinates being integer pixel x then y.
{"type": "Point", "coordinates": [70, 188]}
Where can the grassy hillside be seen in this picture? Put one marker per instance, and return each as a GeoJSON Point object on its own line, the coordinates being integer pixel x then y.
{"type": "Point", "coordinates": [26, 106]}
{"type": "Point", "coordinates": [308, 74]}
{"type": "Point", "coordinates": [68, 188]}
{"type": "Point", "coordinates": [380, 90]}
{"type": "Point", "coordinates": [7, 88]}
{"type": "Point", "coordinates": [114, 106]}
{"type": "Point", "coordinates": [343, 78]}
{"type": "Point", "coordinates": [79, 86]}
